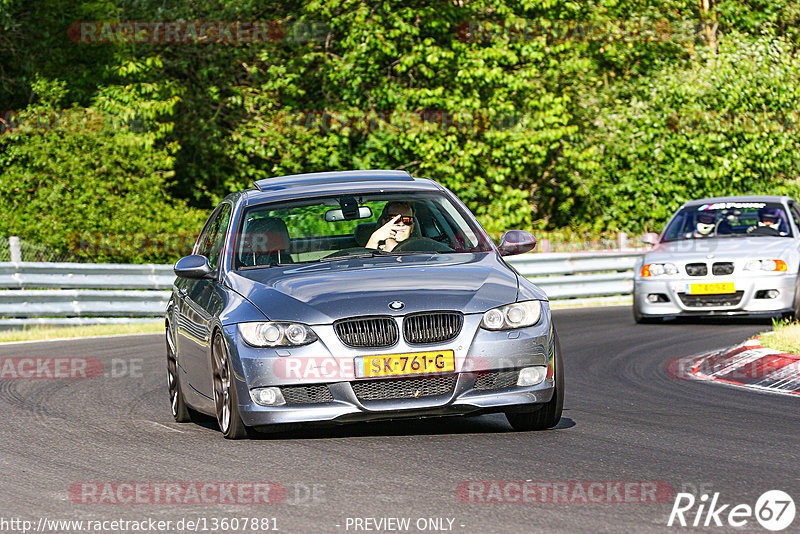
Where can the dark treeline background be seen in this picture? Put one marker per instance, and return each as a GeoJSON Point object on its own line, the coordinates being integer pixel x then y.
{"type": "Point", "coordinates": [590, 117]}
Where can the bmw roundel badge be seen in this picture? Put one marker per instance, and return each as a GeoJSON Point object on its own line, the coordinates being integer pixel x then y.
{"type": "Point", "coordinates": [396, 305]}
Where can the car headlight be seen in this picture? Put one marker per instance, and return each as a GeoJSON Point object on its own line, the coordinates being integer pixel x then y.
{"type": "Point", "coordinates": [765, 265]}
{"type": "Point", "coordinates": [657, 269]}
{"type": "Point", "coordinates": [517, 315]}
{"type": "Point", "coordinates": [276, 334]}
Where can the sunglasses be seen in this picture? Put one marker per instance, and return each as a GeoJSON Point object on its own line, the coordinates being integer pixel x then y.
{"type": "Point", "coordinates": [408, 220]}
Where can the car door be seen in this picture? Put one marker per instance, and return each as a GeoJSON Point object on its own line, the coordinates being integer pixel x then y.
{"type": "Point", "coordinates": [195, 328]}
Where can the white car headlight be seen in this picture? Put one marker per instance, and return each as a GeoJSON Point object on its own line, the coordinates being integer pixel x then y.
{"type": "Point", "coordinates": [276, 334]}
{"type": "Point", "coordinates": [516, 315]}
{"type": "Point", "coordinates": [657, 269]}
{"type": "Point", "coordinates": [765, 265]}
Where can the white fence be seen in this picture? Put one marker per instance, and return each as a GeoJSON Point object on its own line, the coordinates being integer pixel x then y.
{"type": "Point", "coordinates": [80, 293]}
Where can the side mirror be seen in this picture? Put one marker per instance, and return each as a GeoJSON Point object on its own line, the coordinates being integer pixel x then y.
{"type": "Point", "coordinates": [650, 239]}
{"type": "Point", "coordinates": [194, 266]}
{"type": "Point", "coordinates": [516, 242]}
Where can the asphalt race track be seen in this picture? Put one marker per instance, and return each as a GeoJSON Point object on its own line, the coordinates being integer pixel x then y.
{"type": "Point", "coordinates": [625, 419]}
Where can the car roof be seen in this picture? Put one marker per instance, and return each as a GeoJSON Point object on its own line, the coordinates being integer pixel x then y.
{"type": "Point", "coordinates": [338, 182]}
{"type": "Point", "coordinates": [739, 198]}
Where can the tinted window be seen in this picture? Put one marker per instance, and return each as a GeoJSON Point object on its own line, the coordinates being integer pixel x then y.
{"type": "Point", "coordinates": [213, 237]}
{"type": "Point", "coordinates": [796, 215]}
{"type": "Point", "coordinates": [729, 219]}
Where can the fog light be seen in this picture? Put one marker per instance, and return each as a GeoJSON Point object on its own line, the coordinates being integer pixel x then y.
{"type": "Point", "coordinates": [767, 294]}
{"type": "Point", "coordinates": [530, 376]}
{"type": "Point", "coordinates": [267, 396]}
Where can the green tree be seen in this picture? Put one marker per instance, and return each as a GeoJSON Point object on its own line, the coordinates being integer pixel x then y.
{"type": "Point", "coordinates": [727, 124]}
{"type": "Point", "coordinates": [92, 181]}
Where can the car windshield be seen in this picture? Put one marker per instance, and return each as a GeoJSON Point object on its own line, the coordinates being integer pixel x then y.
{"type": "Point", "coordinates": [345, 226]}
{"type": "Point", "coordinates": [729, 219]}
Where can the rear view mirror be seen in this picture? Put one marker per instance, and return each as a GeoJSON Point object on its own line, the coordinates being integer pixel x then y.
{"type": "Point", "coordinates": [364, 212]}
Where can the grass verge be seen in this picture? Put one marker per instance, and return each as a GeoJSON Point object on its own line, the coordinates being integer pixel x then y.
{"type": "Point", "coordinates": [37, 332]}
{"type": "Point", "coordinates": [785, 337]}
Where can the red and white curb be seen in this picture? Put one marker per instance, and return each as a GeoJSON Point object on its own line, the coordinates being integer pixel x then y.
{"type": "Point", "coordinates": [747, 365]}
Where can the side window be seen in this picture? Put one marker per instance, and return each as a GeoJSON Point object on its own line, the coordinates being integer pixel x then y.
{"type": "Point", "coordinates": [210, 242]}
{"type": "Point", "coordinates": [218, 239]}
{"type": "Point", "coordinates": [202, 246]}
{"type": "Point", "coordinates": [795, 214]}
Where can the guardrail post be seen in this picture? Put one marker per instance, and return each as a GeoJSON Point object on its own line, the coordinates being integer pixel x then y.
{"type": "Point", "coordinates": [544, 245]}
{"type": "Point", "coordinates": [622, 240]}
{"type": "Point", "coordinates": [13, 246]}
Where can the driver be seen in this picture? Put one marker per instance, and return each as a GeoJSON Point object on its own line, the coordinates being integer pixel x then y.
{"type": "Point", "coordinates": [397, 220]}
{"type": "Point", "coordinates": [769, 221]}
{"type": "Point", "coordinates": [706, 222]}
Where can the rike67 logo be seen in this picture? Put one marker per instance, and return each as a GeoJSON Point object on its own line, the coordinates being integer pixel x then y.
{"type": "Point", "coordinates": [774, 510]}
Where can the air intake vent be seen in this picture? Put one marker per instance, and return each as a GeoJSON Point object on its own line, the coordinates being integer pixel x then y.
{"type": "Point", "coordinates": [318, 394]}
{"type": "Point", "coordinates": [696, 269]}
{"type": "Point", "coordinates": [404, 388]}
{"type": "Point", "coordinates": [710, 301]}
{"type": "Point", "coordinates": [496, 380]}
{"type": "Point", "coordinates": [368, 332]}
{"type": "Point", "coordinates": [434, 327]}
{"type": "Point", "coordinates": [722, 268]}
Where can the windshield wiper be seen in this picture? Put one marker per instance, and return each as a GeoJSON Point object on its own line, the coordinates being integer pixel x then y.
{"type": "Point", "coordinates": [348, 256]}
{"type": "Point", "coordinates": [409, 252]}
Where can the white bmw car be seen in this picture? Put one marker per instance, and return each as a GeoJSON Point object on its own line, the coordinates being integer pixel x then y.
{"type": "Point", "coordinates": [723, 256]}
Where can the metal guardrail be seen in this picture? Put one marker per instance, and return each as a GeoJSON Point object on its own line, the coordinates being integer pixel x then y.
{"type": "Point", "coordinates": [82, 293]}
{"type": "Point", "coordinates": [565, 275]}
{"type": "Point", "coordinates": [27, 275]}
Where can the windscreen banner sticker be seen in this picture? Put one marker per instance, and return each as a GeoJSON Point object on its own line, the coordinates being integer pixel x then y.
{"type": "Point", "coordinates": [732, 205]}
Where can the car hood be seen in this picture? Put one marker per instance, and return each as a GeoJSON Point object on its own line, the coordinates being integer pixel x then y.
{"type": "Point", "coordinates": [320, 293]}
{"type": "Point", "coordinates": [726, 248]}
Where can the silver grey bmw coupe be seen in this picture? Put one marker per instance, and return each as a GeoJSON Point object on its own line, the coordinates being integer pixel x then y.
{"type": "Point", "coordinates": [356, 296]}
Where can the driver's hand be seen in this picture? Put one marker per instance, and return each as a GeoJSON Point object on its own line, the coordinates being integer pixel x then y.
{"type": "Point", "coordinates": [387, 231]}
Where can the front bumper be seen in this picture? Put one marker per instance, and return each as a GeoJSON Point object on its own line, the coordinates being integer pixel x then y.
{"type": "Point", "coordinates": [329, 364]}
{"type": "Point", "coordinates": [745, 302]}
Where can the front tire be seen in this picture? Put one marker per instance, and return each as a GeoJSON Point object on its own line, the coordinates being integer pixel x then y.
{"type": "Point", "coordinates": [637, 314]}
{"type": "Point", "coordinates": [226, 402]}
{"type": "Point", "coordinates": [548, 415]}
{"type": "Point", "coordinates": [180, 411]}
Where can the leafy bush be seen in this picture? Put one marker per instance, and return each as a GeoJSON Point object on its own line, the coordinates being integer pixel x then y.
{"type": "Point", "coordinates": [725, 125]}
{"type": "Point", "coordinates": [94, 183]}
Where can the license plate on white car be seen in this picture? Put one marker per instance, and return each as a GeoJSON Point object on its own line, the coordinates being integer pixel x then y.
{"type": "Point", "coordinates": [718, 288]}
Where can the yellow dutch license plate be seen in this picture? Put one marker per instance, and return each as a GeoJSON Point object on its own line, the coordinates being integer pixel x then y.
{"type": "Point", "coordinates": [412, 363]}
{"type": "Point", "coordinates": [710, 289]}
